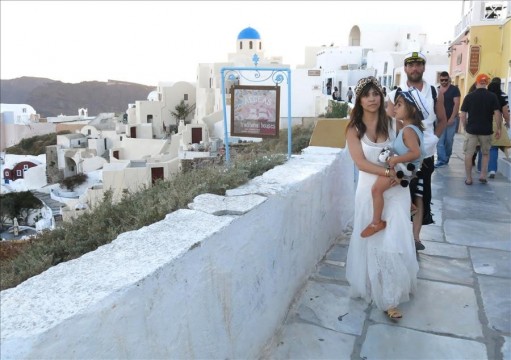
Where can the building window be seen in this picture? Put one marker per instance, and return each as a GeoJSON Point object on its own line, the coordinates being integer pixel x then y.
{"type": "Point", "coordinates": [459, 58]}
{"type": "Point", "coordinates": [89, 131]}
{"type": "Point", "coordinates": [408, 36]}
{"type": "Point", "coordinates": [241, 45]}
{"type": "Point", "coordinates": [24, 110]}
{"type": "Point", "coordinates": [149, 118]}
{"type": "Point", "coordinates": [6, 173]}
{"type": "Point", "coordinates": [25, 167]}
{"type": "Point", "coordinates": [185, 97]}
{"type": "Point", "coordinates": [385, 67]}
{"type": "Point", "coordinates": [18, 172]}
{"type": "Point", "coordinates": [259, 46]}
{"type": "Point", "coordinates": [250, 45]}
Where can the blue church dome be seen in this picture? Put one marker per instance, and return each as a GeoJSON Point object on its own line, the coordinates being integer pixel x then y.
{"type": "Point", "coordinates": [249, 33]}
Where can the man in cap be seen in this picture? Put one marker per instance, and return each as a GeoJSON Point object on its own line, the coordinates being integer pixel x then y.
{"type": "Point", "coordinates": [434, 124]}
{"type": "Point", "coordinates": [481, 106]}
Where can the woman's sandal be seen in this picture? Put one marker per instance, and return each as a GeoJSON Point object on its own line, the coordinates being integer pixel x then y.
{"type": "Point", "coordinates": [394, 313]}
{"type": "Point", "coordinates": [372, 229]}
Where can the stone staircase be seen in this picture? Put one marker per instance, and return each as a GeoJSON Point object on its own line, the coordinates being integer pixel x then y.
{"type": "Point", "coordinates": [46, 199]}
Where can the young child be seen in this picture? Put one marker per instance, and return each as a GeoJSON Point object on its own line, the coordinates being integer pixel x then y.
{"type": "Point", "coordinates": [410, 109]}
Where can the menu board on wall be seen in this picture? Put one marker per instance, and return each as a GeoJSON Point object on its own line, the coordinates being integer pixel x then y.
{"type": "Point", "coordinates": [474, 59]}
{"type": "Point", "coordinates": [255, 111]}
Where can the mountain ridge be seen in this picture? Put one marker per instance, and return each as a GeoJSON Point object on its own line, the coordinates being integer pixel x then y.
{"type": "Point", "coordinates": [51, 97]}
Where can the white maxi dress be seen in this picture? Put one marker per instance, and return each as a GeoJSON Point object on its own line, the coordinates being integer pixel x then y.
{"type": "Point", "coordinates": [382, 268]}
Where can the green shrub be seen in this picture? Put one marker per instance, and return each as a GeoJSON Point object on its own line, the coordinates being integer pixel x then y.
{"type": "Point", "coordinates": [337, 109]}
{"type": "Point", "coordinates": [72, 182]}
{"type": "Point", "coordinates": [35, 145]}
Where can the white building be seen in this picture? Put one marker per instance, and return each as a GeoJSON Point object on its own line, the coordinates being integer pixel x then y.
{"type": "Point", "coordinates": [18, 122]}
{"type": "Point", "coordinates": [380, 53]}
{"type": "Point", "coordinates": [152, 118]}
{"type": "Point", "coordinates": [370, 51]}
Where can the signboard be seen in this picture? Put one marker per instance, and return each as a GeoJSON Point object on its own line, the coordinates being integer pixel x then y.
{"type": "Point", "coordinates": [314, 73]}
{"type": "Point", "coordinates": [474, 59]}
{"type": "Point", "coordinates": [255, 111]}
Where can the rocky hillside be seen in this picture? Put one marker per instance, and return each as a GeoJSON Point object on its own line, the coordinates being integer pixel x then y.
{"type": "Point", "coordinates": [51, 98]}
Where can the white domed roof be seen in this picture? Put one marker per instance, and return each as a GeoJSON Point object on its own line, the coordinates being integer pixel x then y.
{"type": "Point", "coordinates": [153, 96]}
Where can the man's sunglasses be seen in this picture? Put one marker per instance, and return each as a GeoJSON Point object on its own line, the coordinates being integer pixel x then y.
{"type": "Point", "coordinates": [444, 80]}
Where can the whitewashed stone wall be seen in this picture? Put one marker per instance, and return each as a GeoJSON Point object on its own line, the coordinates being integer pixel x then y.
{"type": "Point", "coordinates": [214, 282]}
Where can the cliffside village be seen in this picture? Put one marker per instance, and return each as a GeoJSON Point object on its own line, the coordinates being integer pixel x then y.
{"type": "Point", "coordinates": [132, 150]}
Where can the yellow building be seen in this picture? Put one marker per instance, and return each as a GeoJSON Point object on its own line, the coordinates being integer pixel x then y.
{"type": "Point", "coordinates": [482, 44]}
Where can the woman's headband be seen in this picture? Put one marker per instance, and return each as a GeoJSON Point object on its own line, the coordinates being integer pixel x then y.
{"type": "Point", "coordinates": [362, 83]}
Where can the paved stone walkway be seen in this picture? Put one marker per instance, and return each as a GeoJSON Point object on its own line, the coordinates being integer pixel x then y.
{"type": "Point", "coordinates": [462, 308]}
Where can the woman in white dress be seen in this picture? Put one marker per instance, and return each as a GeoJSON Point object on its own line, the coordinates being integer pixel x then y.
{"type": "Point", "coordinates": [381, 268]}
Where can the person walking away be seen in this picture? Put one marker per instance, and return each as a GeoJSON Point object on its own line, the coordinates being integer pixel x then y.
{"type": "Point", "coordinates": [381, 269]}
{"type": "Point", "coordinates": [349, 94]}
{"type": "Point", "coordinates": [409, 147]}
{"type": "Point", "coordinates": [434, 125]}
{"type": "Point", "coordinates": [452, 106]}
{"type": "Point", "coordinates": [478, 111]}
{"type": "Point", "coordinates": [503, 143]}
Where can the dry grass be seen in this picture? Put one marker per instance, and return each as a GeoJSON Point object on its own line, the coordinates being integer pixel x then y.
{"type": "Point", "coordinates": [19, 262]}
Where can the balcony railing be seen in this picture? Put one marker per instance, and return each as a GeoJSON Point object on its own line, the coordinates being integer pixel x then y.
{"type": "Point", "coordinates": [490, 12]}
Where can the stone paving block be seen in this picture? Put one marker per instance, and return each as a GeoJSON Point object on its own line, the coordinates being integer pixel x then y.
{"type": "Point", "coordinates": [501, 187]}
{"type": "Point", "coordinates": [506, 348]}
{"type": "Point", "coordinates": [328, 271]}
{"type": "Point", "coordinates": [329, 306]}
{"type": "Point", "coordinates": [337, 253]}
{"type": "Point", "coordinates": [394, 342]}
{"type": "Point", "coordinates": [491, 262]}
{"type": "Point", "coordinates": [440, 308]}
{"type": "Point", "coordinates": [433, 232]}
{"type": "Point", "coordinates": [495, 293]}
{"type": "Point", "coordinates": [437, 209]}
{"type": "Point", "coordinates": [483, 234]}
{"type": "Point", "coordinates": [305, 341]}
{"type": "Point", "coordinates": [480, 206]}
{"type": "Point", "coordinates": [457, 271]}
{"type": "Point", "coordinates": [442, 249]}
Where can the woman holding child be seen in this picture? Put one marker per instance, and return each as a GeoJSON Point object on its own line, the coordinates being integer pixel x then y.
{"type": "Point", "coordinates": [382, 267]}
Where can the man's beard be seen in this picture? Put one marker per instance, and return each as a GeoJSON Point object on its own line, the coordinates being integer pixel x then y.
{"type": "Point", "coordinates": [416, 77]}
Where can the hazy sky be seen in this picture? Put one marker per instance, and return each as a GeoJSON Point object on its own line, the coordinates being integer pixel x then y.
{"type": "Point", "coordinates": [151, 41]}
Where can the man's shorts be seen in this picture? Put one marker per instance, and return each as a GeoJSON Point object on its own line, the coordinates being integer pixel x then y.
{"type": "Point", "coordinates": [471, 141]}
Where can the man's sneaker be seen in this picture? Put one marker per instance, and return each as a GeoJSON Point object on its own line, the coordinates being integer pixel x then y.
{"type": "Point", "coordinates": [439, 164]}
{"type": "Point", "coordinates": [419, 245]}
{"type": "Point", "coordinates": [491, 174]}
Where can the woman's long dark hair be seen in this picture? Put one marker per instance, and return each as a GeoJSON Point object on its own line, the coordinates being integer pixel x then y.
{"type": "Point", "coordinates": [495, 88]}
{"type": "Point", "coordinates": [382, 128]}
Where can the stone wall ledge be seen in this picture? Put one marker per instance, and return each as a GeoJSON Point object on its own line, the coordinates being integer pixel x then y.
{"type": "Point", "coordinates": [215, 281]}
